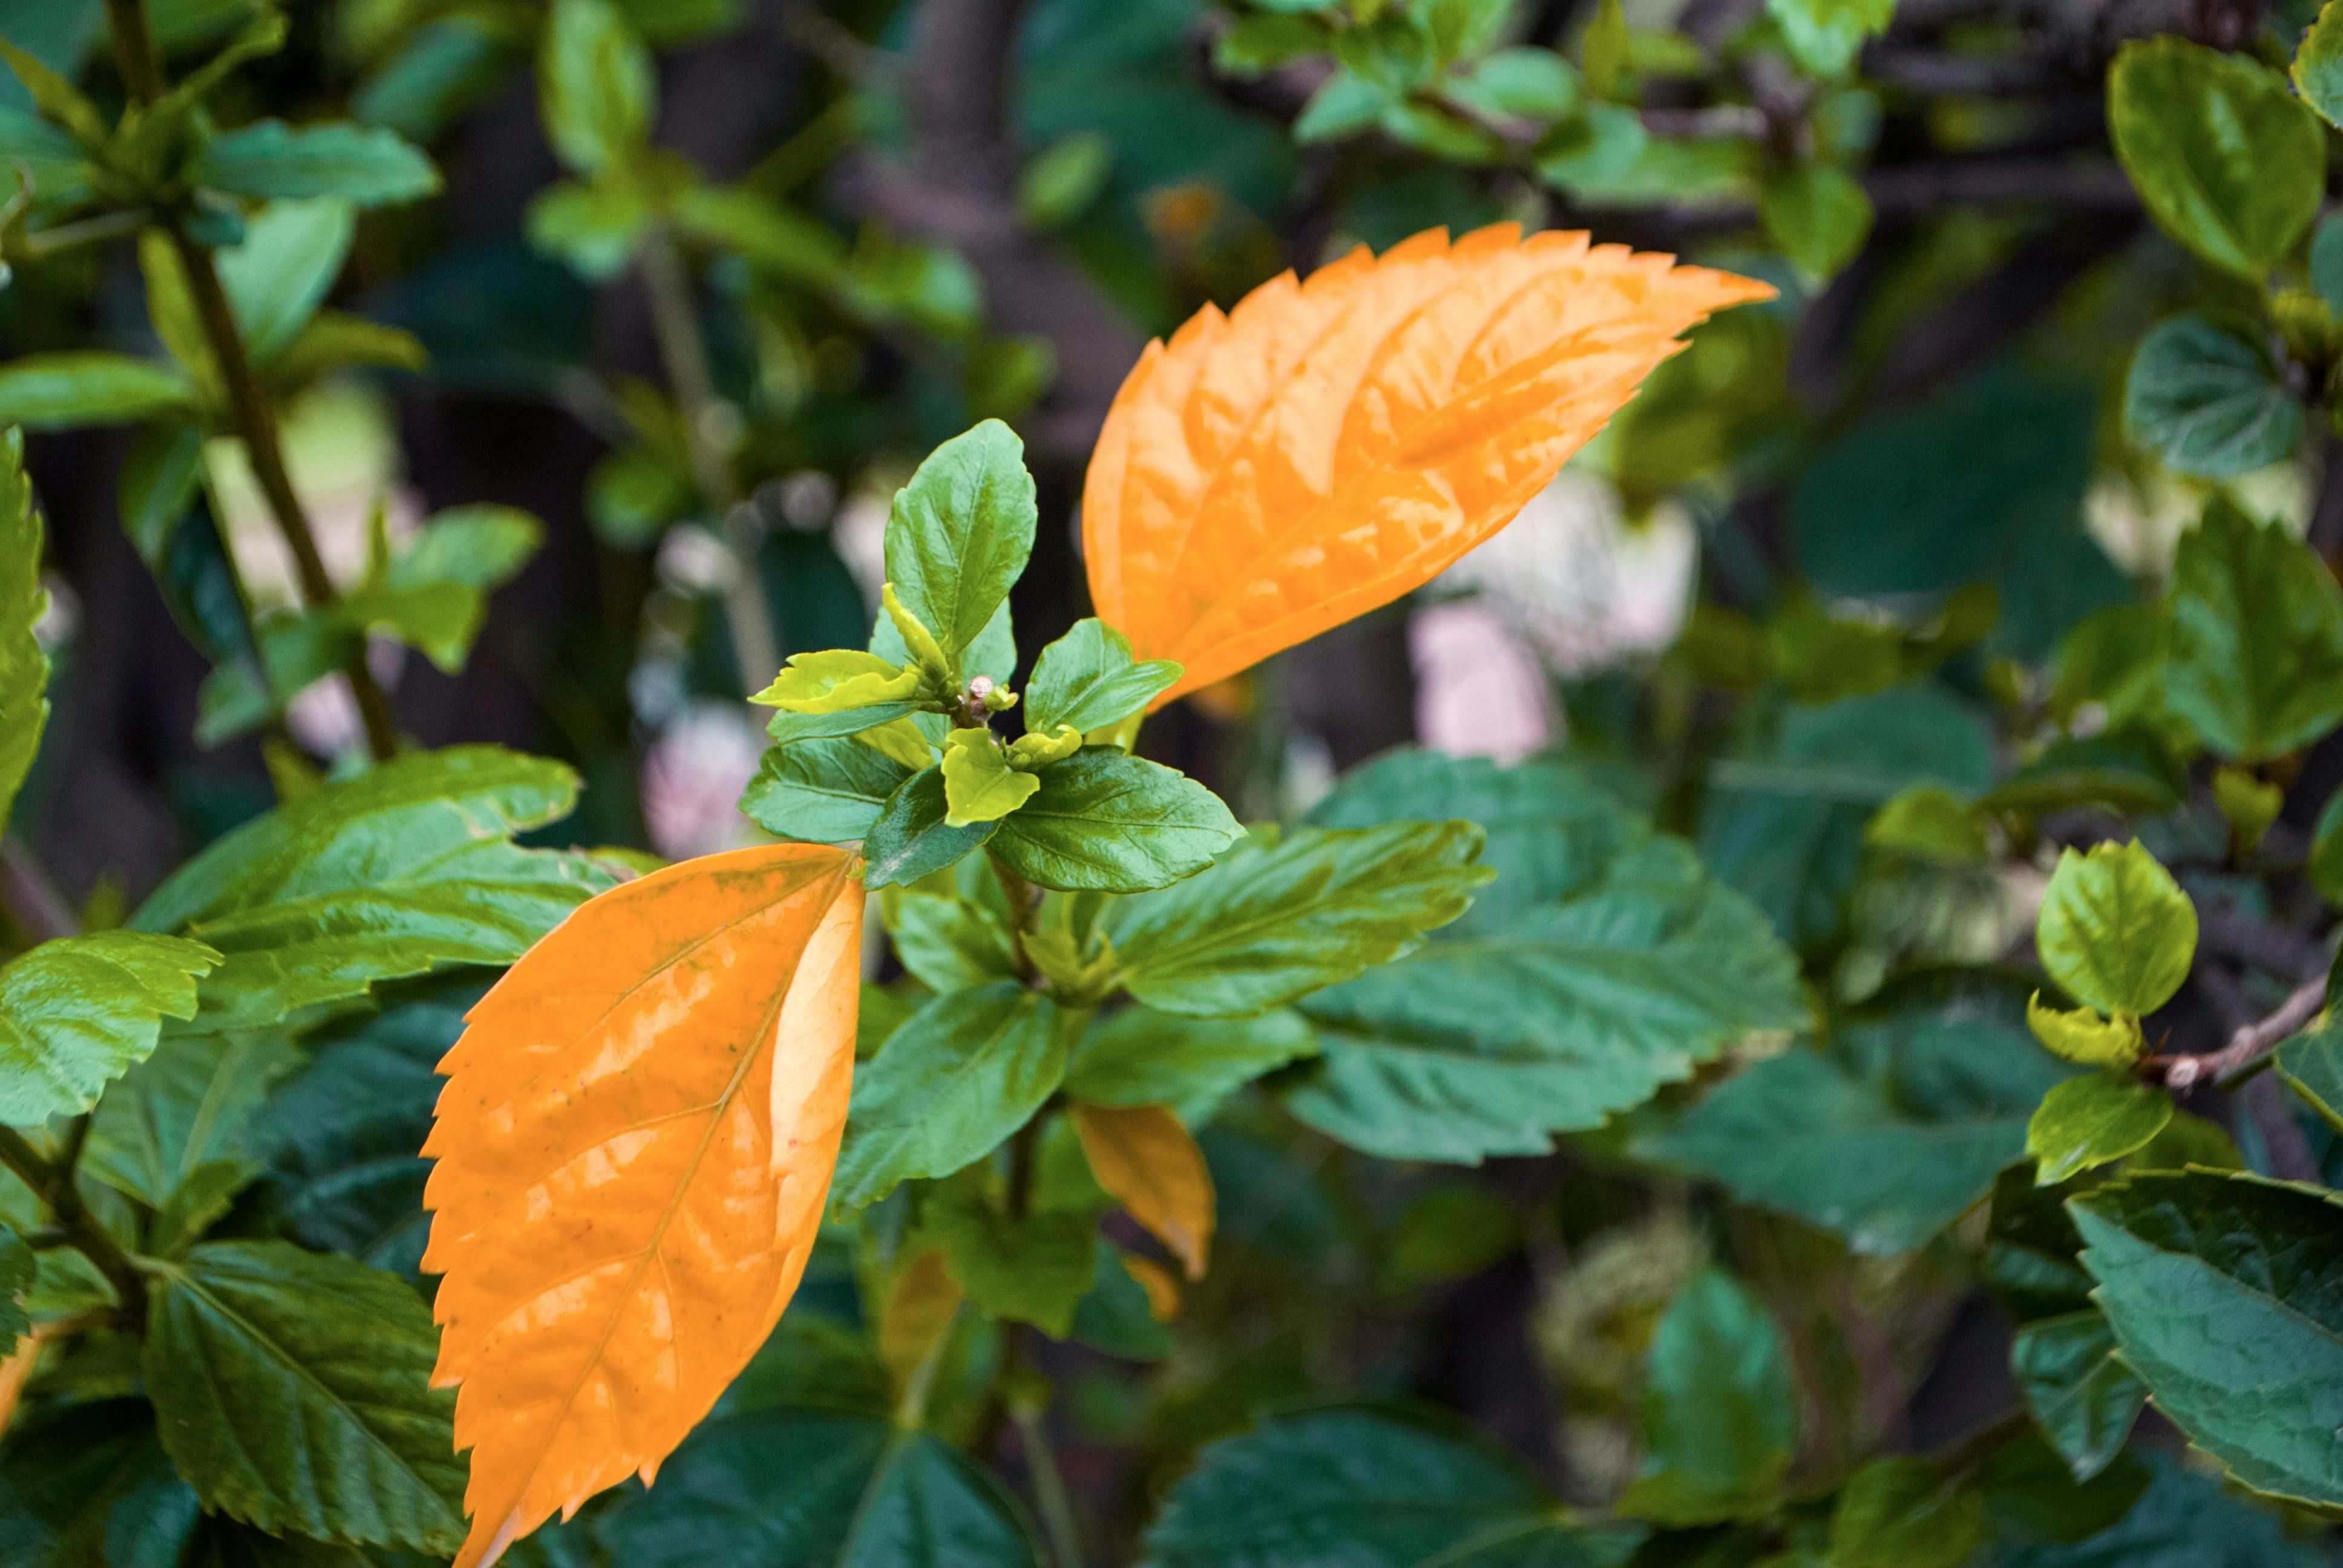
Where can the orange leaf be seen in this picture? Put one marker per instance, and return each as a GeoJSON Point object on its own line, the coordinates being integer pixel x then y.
{"type": "Point", "coordinates": [1144, 1156]}
{"type": "Point", "coordinates": [1327, 445]}
{"type": "Point", "coordinates": [1162, 1287]}
{"type": "Point", "coordinates": [634, 1145]}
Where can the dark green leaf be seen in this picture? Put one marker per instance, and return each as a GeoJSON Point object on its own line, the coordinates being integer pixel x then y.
{"type": "Point", "coordinates": [2185, 1519]}
{"type": "Point", "coordinates": [861, 1494]}
{"type": "Point", "coordinates": [1143, 1057]}
{"type": "Point", "coordinates": [2031, 1496]}
{"type": "Point", "coordinates": [822, 791]}
{"type": "Point", "coordinates": [909, 841]}
{"type": "Point", "coordinates": [435, 73]}
{"type": "Point", "coordinates": [1035, 1269]}
{"type": "Point", "coordinates": [89, 387]}
{"type": "Point", "coordinates": [404, 870]}
{"type": "Point", "coordinates": [24, 667]}
{"type": "Point", "coordinates": [366, 165]}
{"type": "Point", "coordinates": [1885, 1138]}
{"type": "Point", "coordinates": [953, 942]}
{"type": "Point", "coordinates": [1719, 1413]}
{"type": "Point", "coordinates": [2311, 1063]}
{"type": "Point", "coordinates": [964, 1073]}
{"type": "Point", "coordinates": [1600, 964]}
{"type": "Point", "coordinates": [77, 1012]}
{"type": "Point", "coordinates": [1089, 679]}
{"type": "Point", "coordinates": [2256, 660]}
{"type": "Point", "coordinates": [2209, 401]}
{"type": "Point", "coordinates": [1104, 821]}
{"type": "Point", "coordinates": [1899, 1513]}
{"type": "Point", "coordinates": [2090, 1119]}
{"type": "Point", "coordinates": [188, 1106]}
{"type": "Point", "coordinates": [2226, 1293]}
{"type": "Point", "coordinates": [2228, 161]}
{"type": "Point", "coordinates": [2083, 1400]}
{"type": "Point", "coordinates": [293, 1393]}
{"type": "Point", "coordinates": [17, 1268]}
{"type": "Point", "coordinates": [1268, 924]}
{"type": "Point", "coordinates": [1116, 1315]}
{"type": "Point", "coordinates": [812, 1362]}
{"type": "Point", "coordinates": [87, 1485]}
{"type": "Point", "coordinates": [596, 84]}
{"type": "Point", "coordinates": [960, 533]}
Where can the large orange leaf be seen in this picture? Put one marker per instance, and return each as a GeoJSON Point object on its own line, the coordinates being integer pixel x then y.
{"type": "Point", "coordinates": [1329, 445]}
{"type": "Point", "coordinates": [634, 1145]}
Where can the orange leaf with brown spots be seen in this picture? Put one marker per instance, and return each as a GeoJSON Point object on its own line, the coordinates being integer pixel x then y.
{"type": "Point", "coordinates": [634, 1145]}
{"type": "Point", "coordinates": [1329, 445]}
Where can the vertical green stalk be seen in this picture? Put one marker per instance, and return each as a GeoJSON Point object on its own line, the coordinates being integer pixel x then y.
{"type": "Point", "coordinates": [676, 321]}
{"type": "Point", "coordinates": [1050, 1498]}
{"type": "Point", "coordinates": [248, 410]}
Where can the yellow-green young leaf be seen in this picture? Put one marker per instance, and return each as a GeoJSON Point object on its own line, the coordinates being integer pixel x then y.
{"type": "Point", "coordinates": [1928, 824]}
{"type": "Point", "coordinates": [2228, 160]}
{"type": "Point", "coordinates": [925, 649]}
{"type": "Point", "coordinates": [1606, 50]}
{"type": "Point", "coordinates": [2082, 1035]}
{"type": "Point", "coordinates": [2091, 1119]}
{"type": "Point", "coordinates": [1144, 1156]}
{"type": "Point", "coordinates": [899, 740]}
{"type": "Point", "coordinates": [836, 680]}
{"type": "Point", "coordinates": [24, 668]}
{"type": "Point", "coordinates": [923, 1299]}
{"type": "Point", "coordinates": [1902, 1512]}
{"type": "Point", "coordinates": [1032, 750]}
{"type": "Point", "coordinates": [2116, 931]}
{"type": "Point", "coordinates": [978, 784]}
{"type": "Point", "coordinates": [2250, 804]}
{"type": "Point", "coordinates": [59, 101]}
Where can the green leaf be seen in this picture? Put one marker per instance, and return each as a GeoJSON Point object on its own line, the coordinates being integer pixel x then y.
{"type": "Point", "coordinates": [90, 386]}
{"type": "Point", "coordinates": [366, 165]}
{"type": "Point", "coordinates": [438, 620]}
{"type": "Point", "coordinates": [763, 233]}
{"type": "Point", "coordinates": [188, 1105]}
{"type": "Point", "coordinates": [1063, 179]}
{"type": "Point", "coordinates": [2318, 64]}
{"type": "Point", "coordinates": [952, 943]}
{"type": "Point", "coordinates": [2209, 401]}
{"type": "Point", "coordinates": [1718, 1413]}
{"type": "Point", "coordinates": [595, 85]}
{"type": "Point", "coordinates": [2226, 1293]}
{"type": "Point", "coordinates": [1267, 925]}
{"type": "Point", "coordinates": [401, 870]}
{"type": "Point", "coordinates": [24, 666]}
{"type": "Point", "coordinates": [2082, 1035]}
{"type": "Point", "coordinates": [821, 791]}
{"type": "Point", "coordinates": [1823, 34]}
{"type": "Point", "coordinates": [1602, 963]}
{"type": "Point", "coordinates": [85, 1484]}
{"type": "Point", "coordinates": [278, 276]}
{"type": "Point", "coordinates": [1143, 1057]}
{"type": "Point", "coordinates": [18, 1267]}
{"type": "Point", "coordinates": [62, 174]}
{"type": "Point", "coordinates": [1606, 50]}
{"type": "Point", "coordinates": [960, 532]}
{"type": "Point", "coordinates": [836, 680]}
{"type": "Point", "coordinates": [2256, 655]}
{"type": "Point", "coordinates": [2311, 1063]}
{"type": "Point", "coordinates": [790, 729]}
{"type": "Point", "coordinates": [334, 341]}
{"type": "Point", "coordinates": [1106, 822]}
{"type": "Point", "coordinates": [1900, 1512]}
{"type": "Point", "coordinates": [2130, 773]}
{"type": "Point", "coordinates": [58, 100]}
{"type": "Point", "coordinates": [593, 226]}
{"type": "Point", "coordinates": [2083, 1400]}
{"type": "Point", "coordinates": [76, 1013]}
{"type": "Point", "coordinates": [2228, 161]}
{"type": "Point", "coordinates": [964, 1073]}
{"type": "Point", "coordinates": [1116, 1316]}
{"type": "Point", "coordinates": [861, 1493]}
{"type": "Point", "coordinates": [910, 839]}
{"type": "Point", "coordinates": [1527, 84]}
{"type": "Point", "coordinates": [2032, 1497]}
{"type": "Point", "coordinates": [1884, 1138]}
{"type": "Point", "coordinates": [476, 547]}
{"type": "Point", "coordinates": [1926, 823]}
{"type": "Point", "coordinates": [1089, 679]}
{"type": "Point", "coordinates": [2185, 1519]}
{"type": "Point", "coordinates": [2090, 1119]}
{"type": "Point", "coordinates": [1816, 215]}
{"type": "Point", "coordinates": [293, 1389]}
{"type": "Point", "coordinates": [978, 784]}
{"type": "Point", "coordinates": [1035, 1269]}
{"type": "Point", "coordinates": [2116, 931]}
{"type": "Point", "coordinates": [1367, 1489]}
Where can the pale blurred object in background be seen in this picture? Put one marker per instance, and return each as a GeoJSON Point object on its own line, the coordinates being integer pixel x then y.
{"type": "Point", "coordinates": [692, 778]}
{"type": "Point", "coordinates": [341, 451]}
{"type": "Point", "coordinates": [1479, 689]}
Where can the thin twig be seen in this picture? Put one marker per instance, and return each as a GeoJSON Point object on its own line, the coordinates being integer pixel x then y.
{"type": "Point", "coordinates": [2249, 1043]}
{"type": "Point", "coordinates": [1050, 1498]}
{"type": "Point", "coordinates": [54, 1182]}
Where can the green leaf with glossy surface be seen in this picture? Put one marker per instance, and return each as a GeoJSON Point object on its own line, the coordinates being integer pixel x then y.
{"type": "Point", "coordinates": [366, 165]}
{"type": "Point", "coordinates": [910, 841]}
{"type": "Point", "coordinates": [1143, 1057]}
{"type": "Point", "coordinates": [1718, 1411]}
{"type": "Point", "coordinates": [2254, 662]}
{"type": "Point", "coordinates": [1884, 1138]}
{"type": "Point", "coordinates": [2209, 401]}
{"type": "Point", "coordinates": [1902, 1513]}
{"type": "Point", "coordinates": [1106, 822]}
{"type": "Point", "coordinates": [821, 791]}
{"type": "Point", "coordinates": [1088, 678]}
{"type": "Point", "coordinates": [2082, 1035]}
{"type": "Point", "coordinates": [960, 532]}
{"type": "Point", "coordinates": [77, 1012]}
{"type": "Point", "coordinates": [2318, 64]}
{"type": "Point", "coordinates": [2083, 1400]}
{"type": "Point", "coordinates": [401, 870]}
{"type": "Point", "coordinates": [89, 387]}
{"type": "Point", "coordinates": [24, 666]}
{"type": "Point", "coordinates": [596, 89]}
{"type": "Point", "coordinates": [836, 680]}
{"type": "Point", "coordinates": [2091, 1119]}
{"type": "Point", "coordinates": [2116, 931]}
{"type": "Point", "coordinates": [1601, 963]}
{"type": "Point", "coordinates": [2228, 161]}
{"type": "Point", "coordinates": [293, 1391]}
{"type": "Point", "coordinates": [189, 1105]}
{"type": "Point", "coordinates": [1270, 923]}
{"type": "Point", "coordinates": [953, 942]}
{"type": "Point", "coordinates": [861, 1493]}
{"type": "Point", "coordinates": [2225, 1294]}
{"type": "Point", "coordinates": [964, 1073]}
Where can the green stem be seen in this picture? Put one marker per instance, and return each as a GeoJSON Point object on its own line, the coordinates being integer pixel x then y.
{"type": "Point", "coordinates": [675, 322]}
{"type": "Point", "coordinates": [1049, 1495]}
{"type": "Point", "coordinates": [912, 1409]}
{"type": "Point", "coordinates": [1024, 906]}
{"type": "Point", "coordinates": [253, 420]}
{"type": "Point", "coordinates": [54, 1182]}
